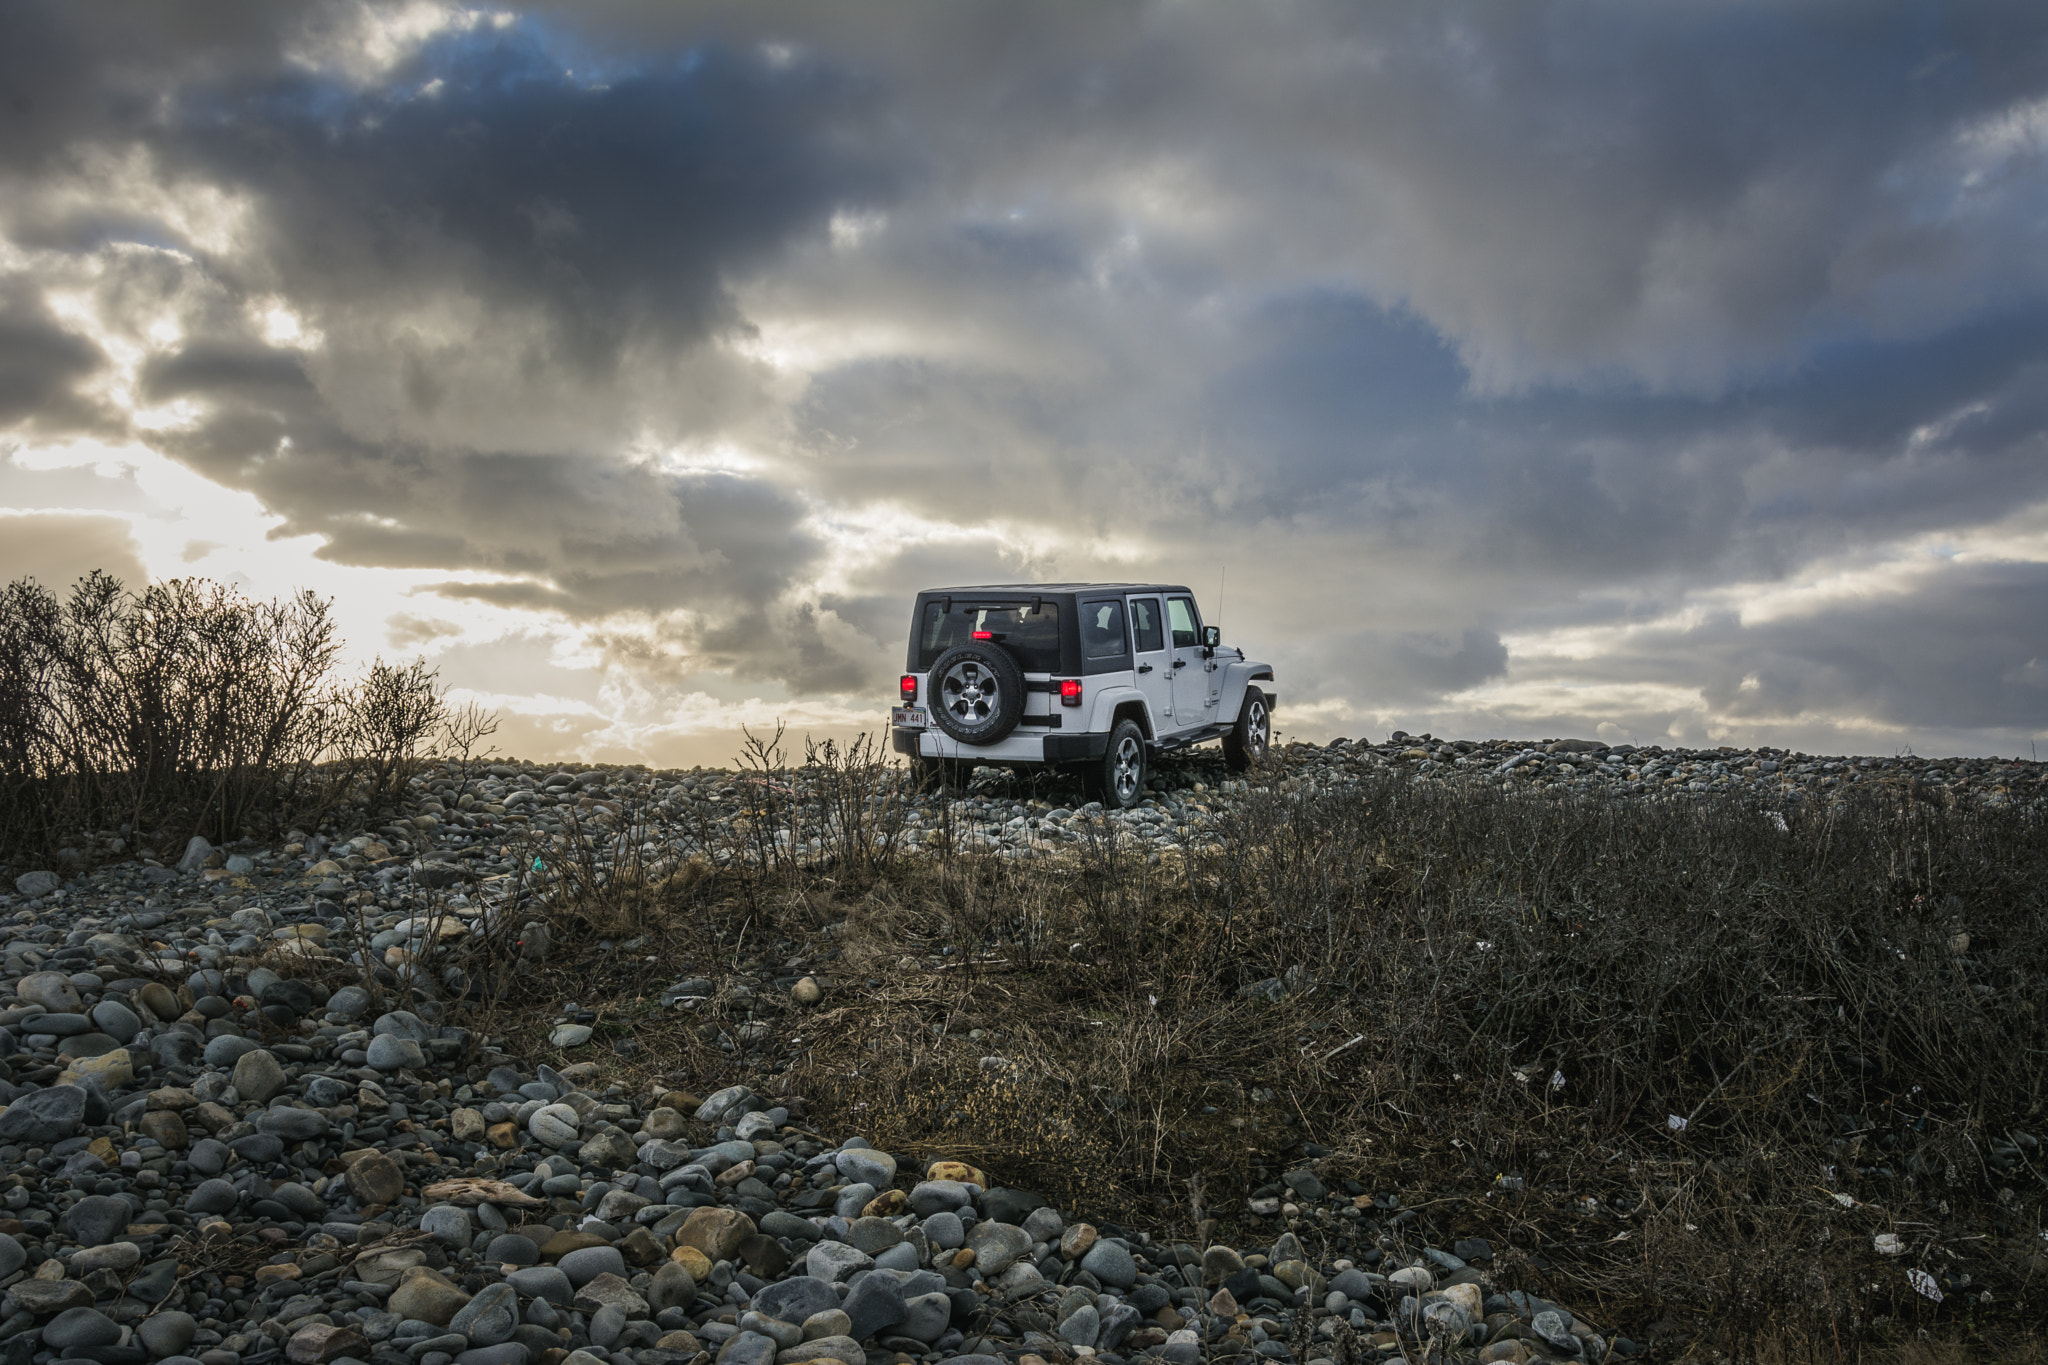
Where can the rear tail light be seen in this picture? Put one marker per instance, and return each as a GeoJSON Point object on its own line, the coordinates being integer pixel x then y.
{"type": "Point", "coordinates": [1070, 692]}
{"type": "Point", "coordinates": [984, 635]}
{"type": "Point", "coordinates": [908, 685]}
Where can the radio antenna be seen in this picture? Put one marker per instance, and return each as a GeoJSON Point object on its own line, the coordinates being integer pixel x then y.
{"type": "Point", "coordinates": [1222, 580]}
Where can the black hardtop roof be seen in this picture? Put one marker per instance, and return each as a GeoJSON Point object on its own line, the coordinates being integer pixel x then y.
{"type": "Point", "coordinates": [1049, 589]}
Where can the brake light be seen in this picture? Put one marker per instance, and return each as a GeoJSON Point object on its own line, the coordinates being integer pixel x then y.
{"type": "Point", "coordinates": [909, 688]}
{"type": "Point", "coordinates": [984, 635]}
{"type": "Point", "coordinates": [1070, 692]}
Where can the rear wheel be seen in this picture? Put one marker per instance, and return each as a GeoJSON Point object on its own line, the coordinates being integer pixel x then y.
{"type": "Point", "coordinates": [1246, 744]}
{"type": "Point", "coordinates": [1117, 779]}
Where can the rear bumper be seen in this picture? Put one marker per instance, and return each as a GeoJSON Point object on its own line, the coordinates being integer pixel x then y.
{"type": "Point", "coordinates": [1017, 748]}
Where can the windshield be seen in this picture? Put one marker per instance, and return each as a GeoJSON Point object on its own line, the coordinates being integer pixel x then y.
{"type": "Point", "coordinates": [1032, 637]}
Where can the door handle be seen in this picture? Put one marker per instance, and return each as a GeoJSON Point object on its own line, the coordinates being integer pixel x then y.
{"type": "Point", "coordinates": [1144, 668]}
{"type": "Point", "coordinates": [1180, 663]}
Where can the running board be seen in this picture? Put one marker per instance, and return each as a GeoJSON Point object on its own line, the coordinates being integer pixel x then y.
{"type": "Point", "coordinates": [1191, 738]}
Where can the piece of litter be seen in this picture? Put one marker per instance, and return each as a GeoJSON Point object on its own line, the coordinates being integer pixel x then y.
{"type": "Point", "coordinates": [1845, 1201]}
{"type": "Point", "coordinates": [1557, 1080]}
{"type": "Point", "coordinates": [1888, 1244]}
{"type": "Point", "coordinates": [1675, 1123]}
{"type": "Point", "coordinates": [1924, 1285]}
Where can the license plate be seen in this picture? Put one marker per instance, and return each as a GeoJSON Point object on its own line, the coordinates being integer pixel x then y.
{"type": "Point", "coordinates": [909, 718]}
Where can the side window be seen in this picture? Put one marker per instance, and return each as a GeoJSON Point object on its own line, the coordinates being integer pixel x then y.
{"type": "Point", "coordinates": [1180, 611]}
{"type": "Point", "coordinates": [1102, 629]}
{"type": "Point", "coordinates": [1145, 628]}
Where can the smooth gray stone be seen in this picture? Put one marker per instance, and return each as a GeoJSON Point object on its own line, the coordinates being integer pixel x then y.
{"type": "Point", "coordinates": [402, 1024]}
{"type": "Point", "coordinates": [748, 1348]}
{"type": "Point", "coordinates": [670, 1287]}
{"type": "Point", "coordinates": [489, 1318]}
{"type": "Point", "coordinates": [1081, 1327]}
{"type": "Point", "coordinates": [606, 1325]}
{"type": "Point", "coordinates": [835, 1261]}
{"type": "Point", "coordinates": [43, 1116]}
{"type": "Point", "coordinates": [80, 1329]}
{"type": "Point", "coordinates": [930, 1197]}
{"type": "Point", "coordinates": [167, 1334]}
{"type": "Point", "coordinates": [734, 1100]}
{"type": "Point", "coordinates": [301, 1201]}
{"type": "Point", "coordinates": [512, 1248]}
{"type": "Point", "coordinates": [229, 1048]}
{"type": "Point", "coordinates": [450, 1224]}
{"type": "Point", "coordinates": [504, 1353]}
{"type": "Point", "coordinates": [117, 1021]}
{"type": "Point", "coordinates": [851, 1199]}
{"type": "Point", "coordinates": [1119, 1322]}
{"type": "Point", "coordinates": [293, 1125]}
{"type": "Point", "coordinates": [587, 1263]}
{"type": "Point", "coordinates": [902, 1256]}
{"type": "Point", "coordinates": [996, 1246]}
{"type": "Point", "coordinates": [542, 1282]}
{"type": "Point", "coordinates": [348, 1003]}
{"type": "Point", "coordinates": [796, 1298]}
{"type": "Point", "coordinates": [98, 1219]}
{"type": "Point", "coordinates": [1111, 1263]}
{"type": "Point", "coordinates": [873, 1235]}
{"type": "Point", "coordinates": [388, 1052]}
{"type": "Point", "coordinates": [212, 1196]}
{"type": "Point", "coordinates": [258, 1149]}
{"type": "Point", "coordinates": [876, 1302]}
{"type": "Point", "coordinates": [926, 1317]}
{"type": "Point", "coordinates": [865, 1166]}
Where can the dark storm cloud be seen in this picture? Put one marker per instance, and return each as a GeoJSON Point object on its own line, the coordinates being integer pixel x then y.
{"type": "Point", "coordinates": [618, 203]}
{"type": "Point", "coordinates": [593, 535]}
{"type": "Point", "coordinates": [1463, 320]}
{"type": "Point", "coordinates": [40, 361]}
{"type": "Point", "coordinates": [1966, 650]}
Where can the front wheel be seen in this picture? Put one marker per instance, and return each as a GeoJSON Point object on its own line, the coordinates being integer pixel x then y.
{"type": "Point", "coordinates": [1117, 780]}
{"type": "Point", "coordinates": [1246, 744]}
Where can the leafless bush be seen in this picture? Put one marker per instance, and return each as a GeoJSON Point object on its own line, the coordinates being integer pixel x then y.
{"type": "Point", "coordinates": [187, 708]}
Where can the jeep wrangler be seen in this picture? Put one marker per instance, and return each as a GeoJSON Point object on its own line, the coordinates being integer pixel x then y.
{"type": "Point", "coordinates": [1094, 677]}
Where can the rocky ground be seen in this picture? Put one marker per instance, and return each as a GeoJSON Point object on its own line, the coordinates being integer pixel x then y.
{"type": "Point", "coordinates": [247, 1119]}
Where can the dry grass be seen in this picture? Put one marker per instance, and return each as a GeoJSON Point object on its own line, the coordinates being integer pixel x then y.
{"type": "Point", "coordinates": [1476, 985]}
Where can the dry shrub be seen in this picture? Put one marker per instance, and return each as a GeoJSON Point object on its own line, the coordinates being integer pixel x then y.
{"type": "Point", "coordinates": [185, 708]}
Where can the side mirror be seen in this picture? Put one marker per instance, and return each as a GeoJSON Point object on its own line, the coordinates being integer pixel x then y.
{"type": "Point", "coordinates": [1212, 636]}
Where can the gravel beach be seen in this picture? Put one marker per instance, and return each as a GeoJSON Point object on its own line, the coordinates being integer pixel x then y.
{"type": "Point", "coordinates": [247, 1119]}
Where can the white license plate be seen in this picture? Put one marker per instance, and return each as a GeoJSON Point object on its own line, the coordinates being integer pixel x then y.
{"type": "Point", "coordinates": [909, 717]}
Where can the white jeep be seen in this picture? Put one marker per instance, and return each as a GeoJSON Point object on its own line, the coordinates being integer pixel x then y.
{"type": "Point", "coordinates": [1096, 677]}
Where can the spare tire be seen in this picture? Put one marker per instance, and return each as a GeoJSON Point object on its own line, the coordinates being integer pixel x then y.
{"type": "Point", "coordinates": [976, 693]}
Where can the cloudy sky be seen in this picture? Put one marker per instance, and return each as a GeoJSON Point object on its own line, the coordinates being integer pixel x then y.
{"type": "Point", "coordinates": [1671, 373]}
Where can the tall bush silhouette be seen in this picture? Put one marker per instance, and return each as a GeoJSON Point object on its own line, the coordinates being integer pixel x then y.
{"type": "Point", "coordinates": [188, 708]}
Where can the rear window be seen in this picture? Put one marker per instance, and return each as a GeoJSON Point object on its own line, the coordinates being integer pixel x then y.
{"type": "Point", "coordinates": [1031, 636]}
{"type": "Point", "coordinates": [1102, 629]}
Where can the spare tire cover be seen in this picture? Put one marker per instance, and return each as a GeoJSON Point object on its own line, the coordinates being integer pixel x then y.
{"type": "Point", "coordinates": [976, 693]}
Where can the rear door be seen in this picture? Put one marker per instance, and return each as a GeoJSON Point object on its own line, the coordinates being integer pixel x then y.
{"type": "Point", "coordinates": [1153, 660]}
{"type": "Point", "coordinates": [1195, 681]}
